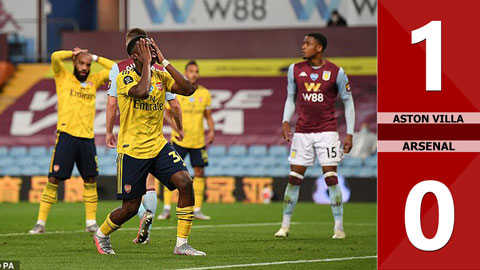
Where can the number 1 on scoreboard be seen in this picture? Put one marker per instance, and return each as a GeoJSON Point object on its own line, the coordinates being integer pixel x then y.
{"type": "Point", "coordinates": [432, 33]}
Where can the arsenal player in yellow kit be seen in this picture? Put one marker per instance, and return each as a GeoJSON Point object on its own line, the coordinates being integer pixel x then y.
{"type": "Point", "coordinates": [74, 144]}
{"type": "Point", "coordinates": [143, 149]}
{"type": "Point", "coordinates": [194, 109]}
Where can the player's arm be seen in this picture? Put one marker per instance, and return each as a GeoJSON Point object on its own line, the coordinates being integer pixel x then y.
{"type": "Point", "coordinates": [289, 108]}
{"type": "Point", "coordinates": [347, 98]}
{"type": "Point", "coordinates": [57, 60]}
{"type": "Point", "coordinates": [210, 123]}
{"type": "Point", "coordinates": [103, 75]}
{"type": "Point", "coordinates": [182, 85]}
{"type": "Point", "coordinates": [176, 113]}
{"type": "Point", "coordinates": [141, 89]}
{"type": "Point", "coordinates": [111, 112]}
{"type": "Point", "coordinates": [211, 126]}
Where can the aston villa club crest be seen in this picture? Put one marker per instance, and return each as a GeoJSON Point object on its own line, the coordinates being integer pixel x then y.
{"type": "Point", "coordinates": [326, 75]}
{"type": "Point", "coordinates": [314, 76]}
{"type": "Point", "coordinates": [128, 188]}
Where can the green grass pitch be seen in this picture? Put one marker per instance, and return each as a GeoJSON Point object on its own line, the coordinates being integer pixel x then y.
{"type": "Point", "coordinates": [238, 234]}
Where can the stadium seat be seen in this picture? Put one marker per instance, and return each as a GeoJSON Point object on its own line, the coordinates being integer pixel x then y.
{"type": "Point", "coordinates": [3, 151]}
{"type": "Point", "coordinates": [27, 161]}
{"type": "Point", "coordinates": [102, 150]}
{"type": "Point", "coordinates": [112, 152]}
{"type": "Point", "coordinates": [215, 171]}
{"type": "Point", "coordinates": [371, 161]}
{"type": "Point", "coordinates": [18, 151]}
{"type": "Point", "coordinates": [11, 171]}
{"type": "Point", "coordinates": [255, 171]}
{"type": "Point", "coordinates": [75, 171]}
{"type": "Point", "coordinates": [249, 161]}
{"type": "Point", "coordinates": [347, 171]}
{"type": "Point", "coordinates": [257, 150]}
{"type": "Point", "coordinates": [234, 170]}
{"type": "Point", "coordinates": [7, 161]}
{"type": "Point", "coordinates": [352, 162]}
{"type": "Point", "coordinates": [216, 150]}
{"type": "Point", "coordinates": [278, 150]}
{"type": "Point", "coordinates": [38, 151]}
{"type": "Point", "coordinates": [314, 172]}
{"type": "Point", "coordinates": [365, 172]}
{"type": "Point", "coordinates": [108, 170]}
{"type": "Point", "coordinates": [237, 150]}
{"type": "Point", "coordinates": [270, 161]}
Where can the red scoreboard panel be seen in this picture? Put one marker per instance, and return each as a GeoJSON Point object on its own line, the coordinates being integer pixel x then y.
{"type": "Point", "coordinates": [428, 134]}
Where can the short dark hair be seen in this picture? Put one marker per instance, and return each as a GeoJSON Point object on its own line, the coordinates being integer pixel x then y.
{"type": "Point", "coordinates": [320, 39]}
{"type": "Point", "coordinates": [134, 32]}
{"type": "Point", "coordinates": [191, 62]}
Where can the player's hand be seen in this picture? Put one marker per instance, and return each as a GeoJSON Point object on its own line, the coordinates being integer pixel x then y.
{"type": "Point", "coordinates": [347, 144]}
{"type": "Point", "coordinates": [286, 131]}
{"type": "Point", "coordinates": [160, 56]}
{"type": "Point", "coordinates": [144, 51]}
{"type": "Point", "coordinates": [180, 135]}
{"type": "Point", "coordinates": [111, 140]}
{"type": "Point", "coordinates": [77, 51]}
{"type": "Point", "coordinates": [210, 137]}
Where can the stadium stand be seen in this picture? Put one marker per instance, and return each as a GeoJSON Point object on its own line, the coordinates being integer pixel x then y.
{"type": "Point", "coordinates": [236, 160]}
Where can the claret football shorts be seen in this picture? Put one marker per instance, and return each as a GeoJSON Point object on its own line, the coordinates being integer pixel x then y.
{"type": "Point", "coordinates": [326, 145]}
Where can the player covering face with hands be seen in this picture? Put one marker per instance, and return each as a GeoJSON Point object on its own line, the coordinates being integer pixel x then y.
{"type": "Point", "coordinates": [142, 148]}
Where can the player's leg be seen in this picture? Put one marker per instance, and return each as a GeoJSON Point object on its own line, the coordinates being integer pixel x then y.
{"type": "Point", "coordinates": [86, 161]}
{"type": "Point", "coordinates": [131, 186]}
{"type": "Point", "coordinates": [146, 212]}
{"type": "Point", "coordinates": [172, 172]}
{"type": "Point", "coordinates": [336, 200]}
{"type": "Point", "coordinates": [199, 160]}
{"type": "Point", "coordinates": [167, 194]}
{"type": "Point", "coordinates": [301, 156]}
{"type": "Point", "coordinates": [329, 155]}
{"type": "Point", "coordinates": [61, 166]}
{"type": "Point", "coordinates": [113, 222]}
{"type": "Point", "coordinates": [167, 204]}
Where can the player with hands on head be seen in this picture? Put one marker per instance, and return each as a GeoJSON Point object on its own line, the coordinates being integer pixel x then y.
{"type": "Point", "coordinates": [75, 139]}
{"type": "Point", "coordinates": [149, 201]}
{"type": "Point", "coordinates": [142, 148]}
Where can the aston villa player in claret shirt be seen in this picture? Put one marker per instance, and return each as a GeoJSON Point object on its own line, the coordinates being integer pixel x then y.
{"type": "Point", "coordinates": [313, 87]}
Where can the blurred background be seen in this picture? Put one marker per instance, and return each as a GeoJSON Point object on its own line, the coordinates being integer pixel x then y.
{"type": "Point", "coordinates": [243, 48]}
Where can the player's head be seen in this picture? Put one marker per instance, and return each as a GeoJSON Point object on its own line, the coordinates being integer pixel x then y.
{"type": "Point", "coordinates": [134, 32]}
{"type": "Point", "coordinates": [191, 71]}
{"type": "Point", "coordinates": [313, 45]}
{"type": "Point", "coordinates": [133, 49]}
{"type": "Point", "coordinates": [81, 66]}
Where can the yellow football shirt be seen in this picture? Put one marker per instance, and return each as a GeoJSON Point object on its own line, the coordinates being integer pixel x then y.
{"type": "Point", "coordinates": [193, 111]}
{"type": "Point", "coordinates": [76, 100]}
{"type": "Point", "coordinates": [141, 120]}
